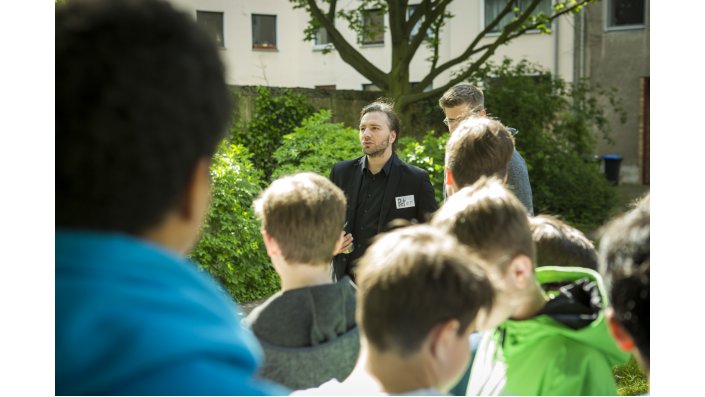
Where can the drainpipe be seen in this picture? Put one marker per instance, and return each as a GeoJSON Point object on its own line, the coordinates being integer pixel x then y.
{"type": "Point", "coordinates": [581, 54]}
{"type": "Point", "coordinates": [555, 46]}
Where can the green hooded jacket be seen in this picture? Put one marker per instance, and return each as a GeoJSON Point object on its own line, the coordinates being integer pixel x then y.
{"type": "Point", "coordinates": [566, 349]}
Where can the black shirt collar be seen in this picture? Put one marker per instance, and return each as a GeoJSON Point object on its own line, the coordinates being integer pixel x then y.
{"type": "Point", "coordinates": [387, 166]}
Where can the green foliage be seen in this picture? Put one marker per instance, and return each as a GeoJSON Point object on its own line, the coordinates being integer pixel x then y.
{"type": "Point", "coordinates": [316, 146]}
{"type": "Point", "coordinates": [231, 247]}
{"type": "Point", "coordinates": [274, 117]}
{"type": "Point", "coordinates": [558, 124]}
{"type": "Point", "coordinates": [429, 155]}
{"type": "Point", "coordinates": [631, 380]}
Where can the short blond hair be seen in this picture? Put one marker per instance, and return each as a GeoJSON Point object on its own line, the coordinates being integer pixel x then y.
{"type": "Point", "coordinates": [414, 278]}
{"type": "Point", "coordinates": [478, 147]}
{"type": "Point", "coordinates": [304, 213]}
{"type": "Point", "coordinates": [489, 219]}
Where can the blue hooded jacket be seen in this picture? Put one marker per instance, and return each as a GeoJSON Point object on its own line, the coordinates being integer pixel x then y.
{"type": "Point", "coordinates": [135, 319]}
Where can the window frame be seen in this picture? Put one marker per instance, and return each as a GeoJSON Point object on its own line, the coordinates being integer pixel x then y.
{"type": "Point", "coordinates": [322, 46]}
{"type": "Point", "coordinates": [221, 43]}
{"type": "Point", "coordinates": [413, 84]}
{"type": "Point", "coordinates": [607, 16]}
{"type": "Point", "coordinates": [484, 22]}
{"type": "Point", "coordinates": [383, 33]}
{"type": "Point", "coordinates": [259, 47]}
{"type": "Point", "coordinates": [410, 10]}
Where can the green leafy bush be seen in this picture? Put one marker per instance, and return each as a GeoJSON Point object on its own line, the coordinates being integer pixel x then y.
{"type": "Point", "coordinates": [316, 146]}
{"type": "Point", "coordinates": [558, 124]}
{"type": "Point", "coordinates": [274, 117]}
{"type": "Point", "coordinates": [429, 154]}
{"type": "Point", "coordinates": [231, 246]}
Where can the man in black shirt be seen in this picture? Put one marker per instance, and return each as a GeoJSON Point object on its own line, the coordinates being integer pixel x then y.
{"type": "Point", "coordinates": [379, 187]}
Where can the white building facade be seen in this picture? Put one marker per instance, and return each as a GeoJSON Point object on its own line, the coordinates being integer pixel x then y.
{"type": "Point", "coordinates": [263, 43]}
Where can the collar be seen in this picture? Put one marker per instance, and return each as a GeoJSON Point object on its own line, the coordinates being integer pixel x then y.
{"type": "Point", "coordinates": [387, 166]}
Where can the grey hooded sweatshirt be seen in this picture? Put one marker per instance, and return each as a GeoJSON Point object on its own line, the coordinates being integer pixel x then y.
{"type": "Point", "coordinates": [308, 335]}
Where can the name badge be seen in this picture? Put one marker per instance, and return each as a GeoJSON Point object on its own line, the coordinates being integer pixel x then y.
{"type": "Point", "coordinates": [405, 201]}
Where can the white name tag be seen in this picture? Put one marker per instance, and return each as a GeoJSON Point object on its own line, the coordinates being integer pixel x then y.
{"type": "Point", "coordinates": [405, 201]}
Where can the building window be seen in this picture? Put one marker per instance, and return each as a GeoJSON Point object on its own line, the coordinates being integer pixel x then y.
{"type": "Point", "coordinates": [212, 22]}
{"type": "Point", "coordinates": [415, 30]}
{"type": "Point", "coordinates": [625, 13]}
{"type": "Point", "coordinates": [322, 38]}
{"type": "Point", "coordinates": [370, 87]}
{"type": "Point", "coordinates": [494, 7]}
{"type": "Point", "coordinates": [326, 87]}
{"type": "Point", "coordinates": [373, 26]}
{"type": "Point", "coordinates": [264, 31]}
{"type": "Point", "coordinates": [426, 89]}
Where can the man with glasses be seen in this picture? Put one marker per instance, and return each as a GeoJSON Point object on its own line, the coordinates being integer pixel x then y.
{"type": "Point", "coordinates": [464, 100]}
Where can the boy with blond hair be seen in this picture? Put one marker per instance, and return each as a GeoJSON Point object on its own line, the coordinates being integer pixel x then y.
{"type": "Point", "coordinates": [466, 100]}
{"type": "Point", "coordinates": [421, 294]}
{"type": "Point", "coordinates": [478, 147]}
{"type": "Point", "coordinates": [308, 329]}
{"type": "Point", "coordinates": [547, 342]}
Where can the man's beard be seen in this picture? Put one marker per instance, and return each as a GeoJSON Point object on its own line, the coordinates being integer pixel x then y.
{"type": "Point", "coordinates": [378, 150]}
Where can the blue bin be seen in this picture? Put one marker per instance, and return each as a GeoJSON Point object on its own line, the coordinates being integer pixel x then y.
{"type": "Point", "coordinates": [612, 163]}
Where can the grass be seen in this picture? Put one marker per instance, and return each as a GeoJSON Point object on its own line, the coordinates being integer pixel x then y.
{"type": "Point", "coordinates": [631, 381]}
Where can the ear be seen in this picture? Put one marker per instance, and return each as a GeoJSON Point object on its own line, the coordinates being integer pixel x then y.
{"type": "Point", "coordinates": [450, 180]}
{"type": "Point", "coordinates": [443, 339]}
{"type": "Point", "coordinates": [451, 187]}
{"type": "Point", "coordinates": [483, 112]}
{"type": "Point", "coordinates": [271, 245]}
{"type": "Point", "coordinates": [393, 136]}
{"type": "Point", "coordinates": [621, 336]}
{"type": "Point", "coordinates": [197, 193]}
{"type": "Point", "coordinates": [521, 271]}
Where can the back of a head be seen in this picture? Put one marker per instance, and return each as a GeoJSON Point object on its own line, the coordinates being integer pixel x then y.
{"type": "Point", "coordinates": [140, 100]}
{"type": "Point", "coordinates": [304, 213]}
{"type": "Point", "coordinates": [385, 106]}
{"type": "Point", "coordinates": [412, 279]}
{"type": "Point", "coordinates": [625, 262]}
{"type": "Point", "coordinates": [559, 244]}
{"type": "Point", "coordinates": [463, 94]}
{"type": "Point", "coordinates": [479, 147]}
{"type": "Point", "coordinates": [489, 219]}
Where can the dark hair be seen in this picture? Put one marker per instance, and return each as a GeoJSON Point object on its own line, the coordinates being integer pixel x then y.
{"type": "Point", "coordinates": [625, 263]}
{"type": "Point", "coordinates": [304, 213]}
{"type": "Point", "coordinates": [385, 106]}
{"type": "Point", "coordinates": [462, 94]}
{"type": "Point", "coordinates": [559, 244]}
{"type": "Point", "coordinates": [140, 99]}
{"type": "Point", "coordinates": [479, 147]}
{"type": "Point", "coordinates": [413, 279]}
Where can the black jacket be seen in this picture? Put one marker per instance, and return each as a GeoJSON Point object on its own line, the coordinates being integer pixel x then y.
{"type": "Point", "coordinates": [404, 180]}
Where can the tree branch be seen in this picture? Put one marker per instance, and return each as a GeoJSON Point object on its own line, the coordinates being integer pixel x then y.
{"type": "Point", "coordinates": [510, 32]}
{"type": "Point", "coordinates": [347, 52]}
{"type": "Point", "coordinates": [429, 18]}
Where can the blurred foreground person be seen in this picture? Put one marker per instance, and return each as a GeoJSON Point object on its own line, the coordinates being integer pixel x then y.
{"type": "Point", "coordinates": [141, 103]}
